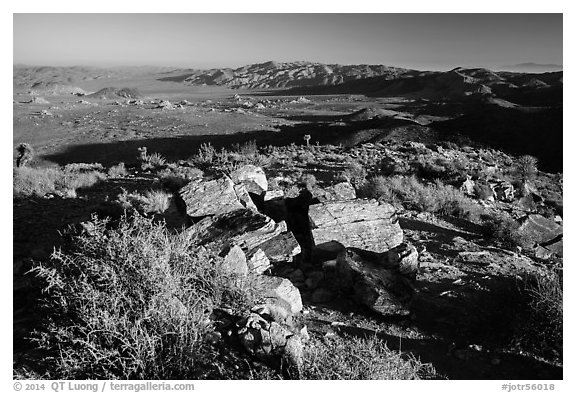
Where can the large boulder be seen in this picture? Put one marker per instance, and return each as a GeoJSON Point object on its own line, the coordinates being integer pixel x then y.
{"type": "Point", "coordinates": [253, 178]}
{"type": "Point", "coordinates": [539, 229]}
{"type": "Point", "coordinates": [260, 238]}
{"type": "Point", "coordinates": [364, 224]}
{"type": "Point", "coordinates": [385, 282]}
{"type": "Point", "coordinates": [280, 292]}
{"type": "Point", "coordinates": [211, 197]}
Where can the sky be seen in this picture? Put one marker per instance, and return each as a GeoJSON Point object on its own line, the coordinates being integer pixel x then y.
{"type": "Point", "coordinates": [420, 41]}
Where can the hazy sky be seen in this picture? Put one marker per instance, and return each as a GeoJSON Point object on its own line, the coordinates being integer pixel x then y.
{"type": "Point", "coordinates": [422, 41]}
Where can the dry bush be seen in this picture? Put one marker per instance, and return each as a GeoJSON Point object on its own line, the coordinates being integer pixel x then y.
{"type": "Point", "coordinates": [34, 182]}
{"type": "Point", "coordinates": [118, 170]}
{"type": "Point", "coordinates": [29, 181]}
{"type": "Point", "coordinates": [83, 167]}
{"type": "Point", "coordinates": [76, 180]}
{"type": "Point", "coordinates": [152, 202]}
{"type": "Point", "coordinates": [175, 177]}
{"type": "Point", "coordinates": [248, 149]}
{"type": "Point", "coordinates": [526, 168]}
{"type": "Point", "coordinates": [153, 161]}
{"type": "Point", "coordinates": [504, 230]}
{"type": "Point", "coordinates": [206, 154]}
{"type": "Point", "coordinates": [355, 174]}
{"type": "Point", "coordinates": [355, 358]}
{"type": "Point", "coordinates": [540, 331]}
{"type": "Point", "coordinates": [132, 303]}
{"type": "Point", "coordinates": [156, 201]}
{"type": "Point", "coordinates": [412, 194]}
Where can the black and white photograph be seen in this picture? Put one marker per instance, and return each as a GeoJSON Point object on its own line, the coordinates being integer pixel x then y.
{"type": "Point", "coordinates": [286, 196]}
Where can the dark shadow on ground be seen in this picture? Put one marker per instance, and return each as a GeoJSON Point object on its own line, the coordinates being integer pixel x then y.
{"type": "Point", "coordinates": [467, 365]}
{"type": "Point", "coordinates": [185, 146]}
{"type": "Point", "coordinates": [445, 233]}
{"type": "Point", "coordinates": [452, 318]}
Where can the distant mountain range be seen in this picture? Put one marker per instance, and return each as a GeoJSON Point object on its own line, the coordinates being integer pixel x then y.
{"type": "Point", "coordinates": [532, 67]}
{"type": "Point", "coordinates": [316, 78]}
{"type": "Point", "coordinates": [282, 75]}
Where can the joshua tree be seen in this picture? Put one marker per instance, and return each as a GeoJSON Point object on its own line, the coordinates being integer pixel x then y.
{"type": "Point", "coordinates": [143, 153]}
{"type": "Point", "coordinates": [25, 154]}
{"type": "Point", "coordinates": [526, 168]}
{"type": "Point", "coordinates": [307, 139]}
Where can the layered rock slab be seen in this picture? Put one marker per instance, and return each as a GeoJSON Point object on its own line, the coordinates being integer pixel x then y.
{"type": "Point", "coordinates": [364, 224]}
{"type": "Point", "coordinates": [211, 197]}
{"type": "Point", "coordinates": [258, 236]}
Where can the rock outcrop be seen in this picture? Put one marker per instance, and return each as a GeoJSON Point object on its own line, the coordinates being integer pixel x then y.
{"type": "Point", "coordinates": [260, 238]}
{"type": "Point", "coordinates": [382, 281]}
{"type": "Point", "coordinates": [539, 229]}
{"type": "Point", "coordinates": [212, 197]}
{"type": "Point", "coordinates": [253, 178]}
{"type": "Point", "coordinates": [364, 224]}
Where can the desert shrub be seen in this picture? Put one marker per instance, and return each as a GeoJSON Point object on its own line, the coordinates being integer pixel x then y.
{"type": "Point", "coordinates": [118, 170]}
{"type": "Point", "coordinates": [29, 181]}
{"type": "Point", "coordinates": [153, 201]}
{"type": "Point", "coordinates": [152, 161]}
{"type": "Point", "coordinates": [132, 303]}
{"type": "Point", "coordinates": [308, 180]}
{"type": "Point", "coordinates": [412, 194]}
{"type": "Point", "coordinates": [156, 201]}
{"type": "Point", "coordinates": [306, 158]}
{"type": "Point", "coordinates": [426, 169]}
{"type": "Point", "coordinates": [503, 229]}
{"type": "Point", "coordinates": [354, 173]}
{"type": "Point", "coordinates": [355, 358]}
{"type": "Point", "coordinates": [241, 155]}
{"type": "Point", "coordinates": [450, 145]}
{"type": "Point", "coordinates": [540, 329]}
{"type": "Point", "coordinates": [76, 180]}
{"type": "Point", "coordinates": [334, 157]}
{"type": "Point", "coordinates": [83, 167]}
{"type": "Point", "coordinates": [389, 166]}
{"type": "Point", "coordinates": [34, 182]}
{"type": "Point", "coordinates": [526, 167]}
{"type": "Point", "coordinates": [248, 153]}
{"type": "Point", "coordinates": [205, 155]}
{"type": "Point", "coordinates": [248, 149]}
{"type": "Point", "coordinates": [175, 177]}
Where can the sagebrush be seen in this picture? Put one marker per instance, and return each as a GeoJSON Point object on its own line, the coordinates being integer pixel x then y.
{"type": "Point", "coordinates": [132, 303]}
